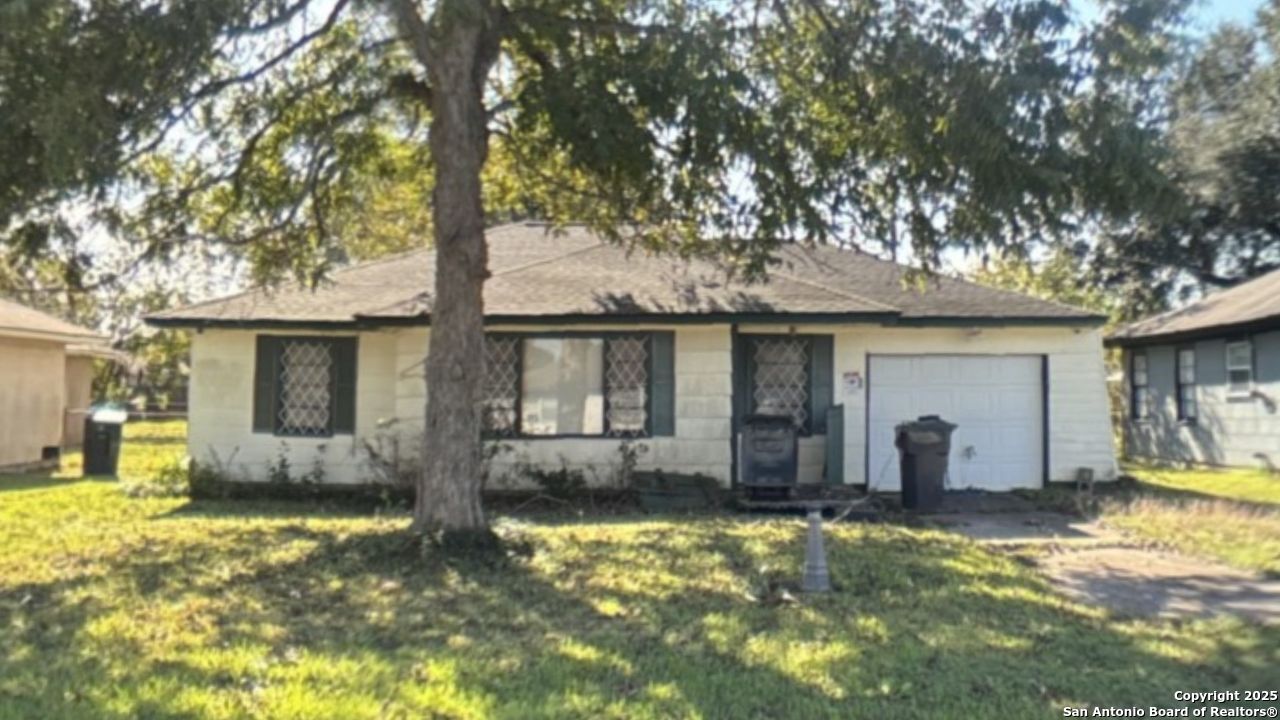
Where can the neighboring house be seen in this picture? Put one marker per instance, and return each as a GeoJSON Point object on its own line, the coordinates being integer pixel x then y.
{"type": "Point", "coordinates": [45, 375]}
{"type": "Point", "coordinates": [1203, 381]}
{"type": "Point", "coordinates": [590, 347]}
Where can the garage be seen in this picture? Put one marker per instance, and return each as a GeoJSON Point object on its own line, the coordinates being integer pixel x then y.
{"type": "Point", "coordinates": [998, 401]}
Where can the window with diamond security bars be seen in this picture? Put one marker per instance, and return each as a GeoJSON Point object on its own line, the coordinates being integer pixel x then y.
{"type": "Point", "coordinates": [627, 383]}
{"type": "Point", "coordinates": [780, 378]}
{"type": "Point", "coordinates": [540, 386]}
{"type": "Point", "coordinates": [502, 385]}
{"type": "Point", "coordinates": [306, 387]}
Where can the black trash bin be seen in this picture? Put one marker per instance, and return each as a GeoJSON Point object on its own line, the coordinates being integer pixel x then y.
{"type": "Point", "coordinates": [102, 434]}
{"type": "Point", "coordinates": [923, 447]}
{"type": "Point", "coordinates": [769, 454]}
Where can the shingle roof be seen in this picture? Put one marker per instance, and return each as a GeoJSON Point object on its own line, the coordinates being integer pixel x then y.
{"type": "Point", "coordinates": [541, 273]}
{"type": "Point", "coordinates": [1255, 301]}
{"type": "Point", "coordinates": [22, 321]}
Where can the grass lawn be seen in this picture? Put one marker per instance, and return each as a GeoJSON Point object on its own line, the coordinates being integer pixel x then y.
{"type": "Point", "coordinates": [1230, 515]}
{"type": "Point", "coordinates": [156, 607]}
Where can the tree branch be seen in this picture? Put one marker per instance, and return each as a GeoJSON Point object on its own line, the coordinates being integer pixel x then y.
{"type": "Point", "coordinates": [415, 29]}
{"type": "Point", "coordinates": [534, 17]}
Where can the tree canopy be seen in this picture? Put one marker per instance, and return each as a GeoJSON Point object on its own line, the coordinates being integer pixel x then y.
{"type": "Point", "coordinates": [1218, 220]}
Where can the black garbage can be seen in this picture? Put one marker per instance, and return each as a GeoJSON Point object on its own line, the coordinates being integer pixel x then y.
{"type": "Point", "coordinates": [102, 434]}
{"type": "Point", "coordinates": [923, 447]}
{"type": "Point", "coordinates": [769, 455]}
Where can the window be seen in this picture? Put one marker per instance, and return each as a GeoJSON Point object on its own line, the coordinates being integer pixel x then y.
{"type": "Point", "coordinates": [1240, 368]}
{"type": "Point", "coordinates": [304, 386]}
{"type": "Point", "coordinates": [502, 385]}
{"type": "Point", "coordinates": [606, 385]}
{"type": "Point", "coordinates": [1138, 392]}
{"type": "Point", "coordinates": [562, 386]}
{"type": "Point", "coordinates": [780, 378]}
{"type": "Point", "coordinates": [1186, 384]}
{"type": "Point", "coordinates": [788, 375]}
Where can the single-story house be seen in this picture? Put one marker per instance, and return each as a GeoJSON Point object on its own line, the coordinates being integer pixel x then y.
{"type": "Point", "coordinates": [1203, 381]}
{"type": "Point", "coordinates": [592, 350]}
{"type": "Point", "coordinates": [46, 372]}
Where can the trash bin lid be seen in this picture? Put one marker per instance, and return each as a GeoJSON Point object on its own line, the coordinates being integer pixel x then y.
{"type": "Point", "coordinates": [927, 423]}
{"type": "Point", "coordinates": [111, 414]}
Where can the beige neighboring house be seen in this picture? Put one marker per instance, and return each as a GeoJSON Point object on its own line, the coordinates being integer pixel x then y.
{"type": "Point", "coordinates": [590, 347]}
{"type": "Point", "coordinates": [46, 371]}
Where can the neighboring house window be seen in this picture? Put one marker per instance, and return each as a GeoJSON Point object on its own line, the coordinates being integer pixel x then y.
{"type": "Point", "coordinates": [1138, 392]}
{"type": "Point", "coordinates": [1186, 384]}
{"type": "Point", "coordinates": [304, 386]}
{"type": "Point", "coordinates": [1240, 368]}
{"type": "Point", "coordinates": [608, 385]}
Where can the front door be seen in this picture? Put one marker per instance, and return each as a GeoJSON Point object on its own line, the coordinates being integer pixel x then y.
{"type": "Point", "coordinates": [786, 374]}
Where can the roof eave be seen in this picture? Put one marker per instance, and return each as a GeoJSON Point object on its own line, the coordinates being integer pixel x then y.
{"type": "Point", "coordinates": [49, 336]}
{"type": "Point", "coordinates": [1201, 333]}
{"type": "Point", "coordinates": [366, 322]}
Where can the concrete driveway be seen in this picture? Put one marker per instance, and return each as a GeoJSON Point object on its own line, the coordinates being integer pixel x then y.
{"type": "Point", "coordinates": [1101, 566]}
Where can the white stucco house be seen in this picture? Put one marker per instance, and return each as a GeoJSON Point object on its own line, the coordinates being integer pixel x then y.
{"type": "Point", "coordinates": [591, 348]}
{"type": "Point", "coordinates": [46, 377]}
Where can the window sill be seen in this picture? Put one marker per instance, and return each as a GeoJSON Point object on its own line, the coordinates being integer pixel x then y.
{"type": "Point", "coordinates": [1187, 422]}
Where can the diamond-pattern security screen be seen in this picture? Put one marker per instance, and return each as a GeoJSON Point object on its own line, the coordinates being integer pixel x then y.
{"type": "Point", "coordinates": [627, 382]}
{"type": "Point", "coordinates": [501, 385]}
{"type": "Point", "coordinates": [780, 383]}
{"type": "Point", "coordinates": [306, 388]}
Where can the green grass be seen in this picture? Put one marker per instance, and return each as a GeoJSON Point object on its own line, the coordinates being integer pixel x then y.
{"type": "Point", "coordinates": [1228, 515]}
{"type": "Point", "coordinates": [1238, 484]}
{"type": "Point", "coordinates": [159, 607]}
{"type": "Point", "coordinates": [148, 447]}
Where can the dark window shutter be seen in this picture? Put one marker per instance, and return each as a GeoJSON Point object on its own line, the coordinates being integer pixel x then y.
{"type": "Point", "coordinates": [344, 385]}
{"type": "Point", "coordinates": [820, 383]}
{"type": "Point", "coordinates": [266, 370]}
{"type": "Point", "coordinates": [662, 384]}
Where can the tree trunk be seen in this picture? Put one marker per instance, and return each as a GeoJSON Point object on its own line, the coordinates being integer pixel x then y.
{"type": "Point", "coordinates": [458, 49]}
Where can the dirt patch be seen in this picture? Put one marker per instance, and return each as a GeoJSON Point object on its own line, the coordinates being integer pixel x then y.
{"type": "Point", "coordinates": [1143, 582]}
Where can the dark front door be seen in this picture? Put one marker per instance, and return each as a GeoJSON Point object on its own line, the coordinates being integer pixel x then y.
{"type": "Point", "coordinates": [783, 374]}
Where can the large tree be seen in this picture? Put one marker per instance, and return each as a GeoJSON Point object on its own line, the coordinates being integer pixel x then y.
{"type": "Point", "coordinates": [706, 127]}
{"type": "Point", "coordinates": [1217, 221]}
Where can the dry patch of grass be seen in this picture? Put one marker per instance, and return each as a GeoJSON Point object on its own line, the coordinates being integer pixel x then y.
{"type": "Point", "coordinates": [1231, 515]}
{"type": "Point", "coordinates": [1242, 535]}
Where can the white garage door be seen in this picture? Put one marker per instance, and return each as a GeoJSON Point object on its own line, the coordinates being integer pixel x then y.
{"type": "Point", "coordinates": [997, 401]}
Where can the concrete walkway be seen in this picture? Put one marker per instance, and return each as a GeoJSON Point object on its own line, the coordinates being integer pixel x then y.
{"type": "Point", "coordinates": [1100, 566]}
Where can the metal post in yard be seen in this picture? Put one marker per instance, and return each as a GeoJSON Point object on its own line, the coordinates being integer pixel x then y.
{"type": "Point", "coordinates": [816, 576]}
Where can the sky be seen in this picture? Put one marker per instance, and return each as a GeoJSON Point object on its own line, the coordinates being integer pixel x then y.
{"type": "Point", "coordinates": [1216, 12]}
{"type": "Point", "coordinates": [1205, 14]}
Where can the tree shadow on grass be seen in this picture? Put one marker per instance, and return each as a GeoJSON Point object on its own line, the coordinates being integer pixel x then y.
{"type": "Point", "coordinates": [647, 618]}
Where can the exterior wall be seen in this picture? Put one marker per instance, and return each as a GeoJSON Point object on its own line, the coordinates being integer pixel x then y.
{"type": "Point", "coordinates": [704, 401]}
{"type": "Point", "coordinates": [1238, 431]}
{"type": "Point", "coordinates": [391, 394]}
{"type": "Point", "coordinates": [220, 430]}
{"type": "Point", "coordinates": [1079, 429]}
{"type": "Point", "coordinates": [32, 390]}
{"type": "Point", "coordinates": [79, 396]}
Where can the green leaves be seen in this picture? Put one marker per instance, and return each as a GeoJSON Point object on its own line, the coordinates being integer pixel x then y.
{"type": "Point", "coordinates": [294, 132]}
